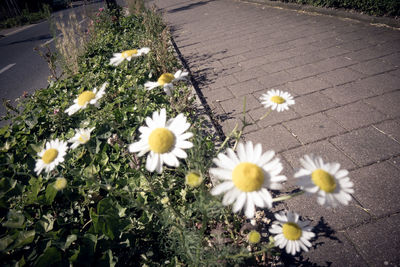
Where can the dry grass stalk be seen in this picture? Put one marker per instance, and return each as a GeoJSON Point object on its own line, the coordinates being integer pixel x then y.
{"type": "Point", "coordinates": [71, 43]}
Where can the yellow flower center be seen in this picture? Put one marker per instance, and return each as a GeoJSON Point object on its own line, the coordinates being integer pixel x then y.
{"type": "Point", "coordinates": [161, 140]}
{"type": "Point", "coordinates": [50, 155]}
{"type": "Point", "coordinates": [248, 177]}
{"type": "Point", "coordinates": [277, 99]}
{"type": "Point", "coordinates": [129, 53]}
{"type": "Point", "coordinates": [254, 237]}
{"type": "Point", "coordinates": [85, 97]}
{"type": "Point", "coordinates": [323, 180]}
{"type": "Point", "coordinates": [165, 78]}
{"type": "Point", "coordinates": [164, 200]}
{"type": "Point", "coordinates": [193, 179]}
{"type": "Point", "coordinates": [60, 183]}
{"type": "Point", "coordinates": [291, 231]}
{"type": "Point", "coordinates": [83, 138]}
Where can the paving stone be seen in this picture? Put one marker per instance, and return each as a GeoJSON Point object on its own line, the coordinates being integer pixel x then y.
{"type": "Point", "coordinates": [275, 79]}
{"type": "Point", "coordinates": [379, 242]}
{"type": "Point", "coordinates": [375, 186]}
{"type": "Point", "coordinates": [390, 128]}
{"type": "Point", "coordinates": [373, 67]}
{"type": "Point", "coordinates": [354, 45]}
{"type": "Point", "coordinates": [381, 83]}
{"type": "Point", "coordinates": [273, 117]}
{"type": "Point", "coordinates": [393, 59]}
{"type": "Point", "coordinates": [332, 52]}
{"type": "Point", "coordinates": [366, 146]}
{"type": "Point", "coordinates": [217, 95]}
{"type": "Point", "coordinates": [312, 103]}
{"type": "Point", "coordinates": [232, 60]}
{"type": "Point", "coordinates": [277, 66]}
{"type": "Point", "coordinates": [249, 74]}
{"type": "Point", "coordinates": [253, 62]}
{"type": "Point", "coordinates": [332, 250]}
{"type": "Point", "coordinates": [275, 137]}
{"type": "Point", "coordinates": [324, 149]}
{"type": "Point", "coordinates": [395, 162]}
{"type": "Point", "coordinates": [235, 105]}
{"type": "Point", "coordinates": [228, 69]}
{"type": "Point", "coordinates": [304, 59]}
{"type": "Point", "coordinates": [348, 93]}
{"type": "Point", "coordinates": [222, 81]}
{"type": "Point", "coordinates": [387, 103]}
{"type": "Point", "coordinates": [341, 76]}
{"type": "Point", "coordinates": [334, 63]}
{"type": "Point", "coordinates": [395, 73]}
{"type": "Point", "coordinates": [355, 115]}
{"type": "Point", "coordinates": [229, 123]}
{"type": "Point", "coordinates": [322, 126]}
{"type": "Point", "coordinates": [337, 219]}
{"type": "Point", "coordinates": [304, 71]}
{"type": "Point", "coordinates": [247, 87]}
{"type": "Point", "coordinates": [368, 54]}
{"type": "Point", "coordinates": [307, 85]}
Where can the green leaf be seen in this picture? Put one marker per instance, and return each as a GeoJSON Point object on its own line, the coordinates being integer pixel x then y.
{"type": "Point", "coordinates": [91, 170]}
{"type": "Point", "coordinates": [14, 220]}
{"type": "Point", "coordinates": [5, 242]}
{"type": "Point", "coordinates": [49, 257]}
{"type": "Point", "coordinates": [51, 193]}
{"type": "Point", "coordinates": [24, 238]}
{"type": "Point", "coordinates": [47, 222]}
{"type": "Point", "coordinates": [70, 239]}
{"type": "Point", "coordinates": [6, 184]}
{"type": "Point", "coordinates": [36, 185]}
{"type": "Point", "coordinates": [107, 219]}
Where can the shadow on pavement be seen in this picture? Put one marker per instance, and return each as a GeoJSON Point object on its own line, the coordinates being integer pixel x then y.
{"type": "Point", "coordinates": [193, 5]}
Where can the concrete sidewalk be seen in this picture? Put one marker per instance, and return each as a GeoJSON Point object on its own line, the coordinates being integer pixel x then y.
{"type": "Point", "coordinates": [345, 77]}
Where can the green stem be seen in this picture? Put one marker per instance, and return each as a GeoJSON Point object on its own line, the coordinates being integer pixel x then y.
{"type": "Point", "coordinates": [227, 138]}
{"type": "Point", "coordinates": [286, 197]}
{"type": "Point", "coordinates": [265, 115]}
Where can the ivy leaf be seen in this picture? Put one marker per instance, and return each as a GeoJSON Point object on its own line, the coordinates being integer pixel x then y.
{"type": "Point", "coordinates": [70, 239]}
{"type": "Point", "coordinates": [107, 219]}
{"type": "Point", "coordinates": [49, 257]}
{"type": "Point", "coordinates": [5, 242]}
{"type": "Point", "coordinates": [14, 220]}
{"type": "Point", "coordinates": [51, 193]}
{"type": "Point", "coordinates": [24, 238]}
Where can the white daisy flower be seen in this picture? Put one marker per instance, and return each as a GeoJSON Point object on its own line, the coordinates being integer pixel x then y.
{"type": "Point", "coordinates": [166, 81]}
{"type": "Point", "coordinates": [277, 99]}
{"type": "Point", "coordinates": [51, 156]}
{"type": "Point", "coordinates": [85, 98]}
{"type": "Point", "coordinates": [332, 184]}
{"type": "Point", "coordinates": [246, 177]}
{"type": "Point", "coordinates": [82, 136]}
{"type": "Point", "coordinates": [291, 232]}
{"type": "Point", "coordinates": [128, 55]}
{"type": "Point", "coordinates": [164, 140]}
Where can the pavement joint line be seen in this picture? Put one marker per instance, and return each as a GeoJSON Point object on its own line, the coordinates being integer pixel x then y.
{"type": "Point", "coordinates": [388, 135]}
{"type": "Point", "coordinates": [9, 66]}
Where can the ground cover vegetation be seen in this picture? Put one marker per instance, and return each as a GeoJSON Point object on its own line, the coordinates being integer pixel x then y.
{"type": "Point", "coordinates": [26, 17]}
{"type": "Point", "coordinates": [111, 165]}
{"type": "Point", "coordinates": [370, 7]}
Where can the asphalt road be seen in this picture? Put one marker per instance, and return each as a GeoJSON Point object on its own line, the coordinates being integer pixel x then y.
{"type": "Point", "coordinates": [21, 68]}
